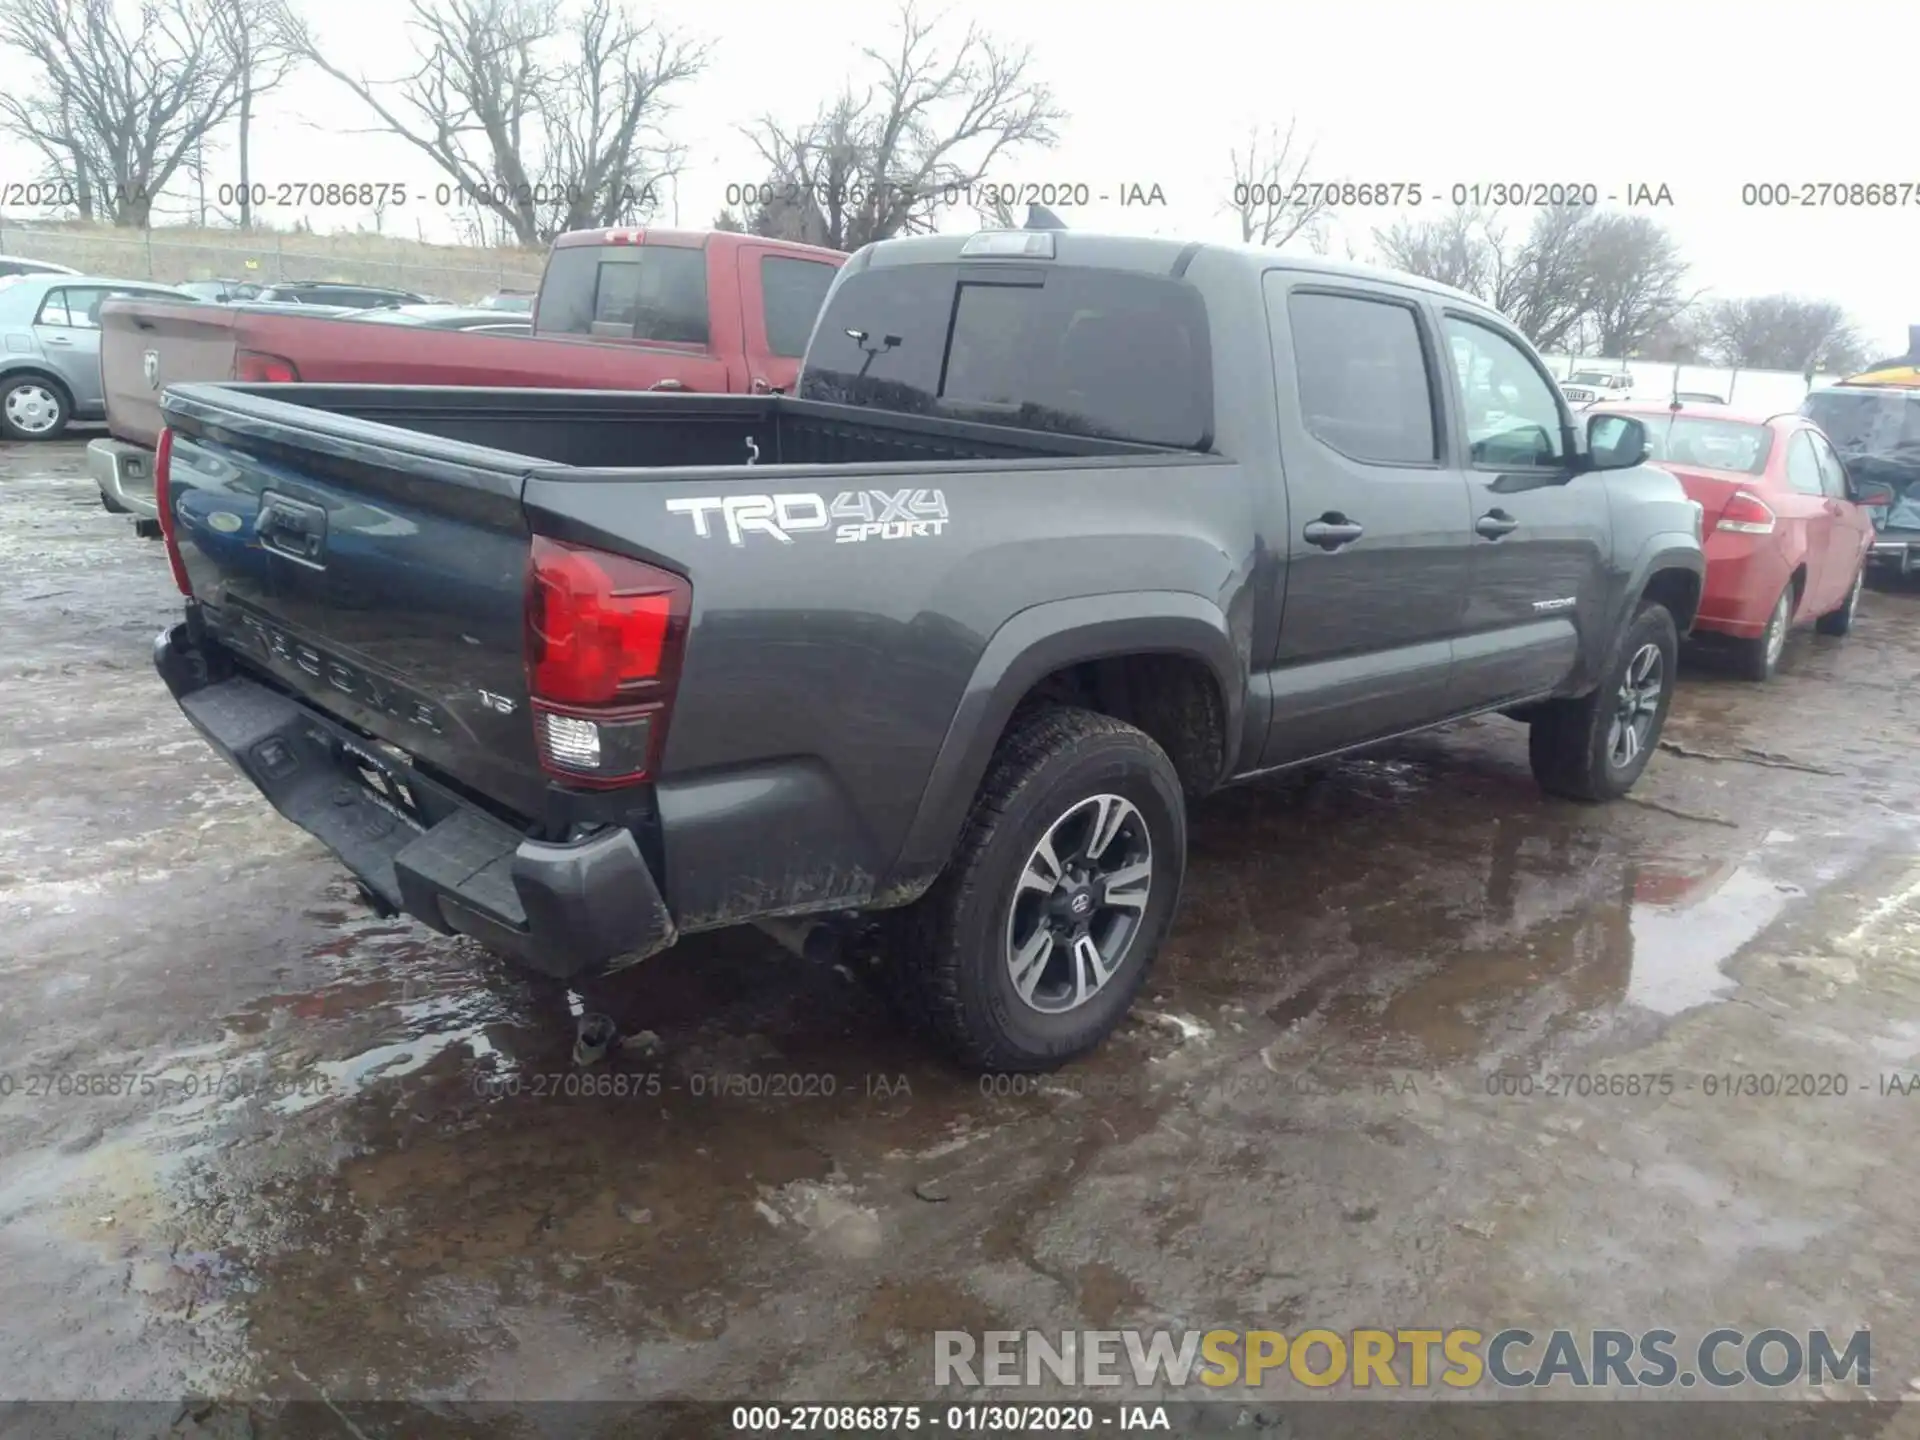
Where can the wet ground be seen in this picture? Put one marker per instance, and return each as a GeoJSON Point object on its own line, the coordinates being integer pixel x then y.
{"type": "Point", "coordinates": [351, 1159]}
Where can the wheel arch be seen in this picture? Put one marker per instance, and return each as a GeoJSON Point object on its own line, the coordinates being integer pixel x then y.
{"type": "Point", "coordinates": [1175, 654]}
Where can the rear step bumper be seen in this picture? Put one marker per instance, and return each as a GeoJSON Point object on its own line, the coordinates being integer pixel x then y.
{"type": "Point", "coordinates": [1895, 553]}
{"type": "Point", "coordinates": [566, 910]}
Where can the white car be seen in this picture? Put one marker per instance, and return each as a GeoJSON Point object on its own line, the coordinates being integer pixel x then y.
{"type": "Point", "coordinates": [1585, 387]}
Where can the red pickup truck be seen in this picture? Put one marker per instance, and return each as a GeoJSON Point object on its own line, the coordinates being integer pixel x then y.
{"type": "Point", "coordinates": [617, 310]}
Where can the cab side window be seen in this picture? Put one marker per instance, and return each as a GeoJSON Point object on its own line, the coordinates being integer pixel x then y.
{"type": "Point", "coordinates": [1362, 376]}
{"type": "Point", "coordinates": [1512, 409]}
{"type": "Point", "coordinates": [1803, 466]}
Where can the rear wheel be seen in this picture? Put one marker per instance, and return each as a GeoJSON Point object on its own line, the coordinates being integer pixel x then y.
{"type": "Point", "coordinates": [1760, 657]}
{"type": "Point", "coordinates": [1594, 747]}
{"type": "Point", "coordinates": [32, 408]}
{"type": "Point", "coordinates": [1840, 621]}
{"type": "Point", "coordinates": [1032, 944]}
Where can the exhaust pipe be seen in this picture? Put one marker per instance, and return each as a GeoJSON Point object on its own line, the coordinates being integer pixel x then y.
{"type": "Point", "coordinates": [805, 937]}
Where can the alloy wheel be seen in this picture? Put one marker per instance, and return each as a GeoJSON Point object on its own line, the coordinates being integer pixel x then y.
{"type": "Point", "coordinates": [1777, 627]}
{"type": "Point", "coordinates": [1636, 704]}
{"type": "Point", "coordinates": [1079, 903]}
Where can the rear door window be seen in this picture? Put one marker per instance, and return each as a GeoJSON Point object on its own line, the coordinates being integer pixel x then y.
{"type": "Point", "coordinates": [791, 294]}
{"type": "Point", "coordinates": [54, 311]}
{"type": "Point", "coordinates": [1361, 372]}
{"type": "Point", "coordinates": [1803, 466]}
{"type": "Point", "coordinates": [625, 292]}
{"type": "Point", "coordinates": [1104, 353]}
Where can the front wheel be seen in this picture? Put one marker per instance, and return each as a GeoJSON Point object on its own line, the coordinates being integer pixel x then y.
{"type": "Point", "coordinates": [1032, 944]}
{"type": "Point", "coordinates": [1594, 747]}
{"type": "Point", "coordinates": [1839, 622]}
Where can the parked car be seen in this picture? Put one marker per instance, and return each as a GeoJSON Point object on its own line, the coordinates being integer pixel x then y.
{"type": "Point", "coordinates": [518, 301]}
{"type": "Point", "coordinates": [50, 363]}
{"type": "Point", "coordinates": [1785, 526]}
{"type": "Point", "coordinates": [19, 265]}
{"type": "Point", "coordinates": [950, 636]}
{"type": "Point", "coordinates": [1584, 387]}
{"type": "Point", "coordinates": [1877, 432]}
{"type": "Point", "coordinates": [334, 292]}
{"type": "Point", "coordinates": [750, 302]}
{"type": "Point", "coordinates": [446, 317]}
{"type": "Point", "coordinates": [1698, 397]}
{"type": "Point", "coordinates": [220, 292]}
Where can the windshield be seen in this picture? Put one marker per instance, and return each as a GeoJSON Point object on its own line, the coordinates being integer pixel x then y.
{"type": "Point", "coordinates": [1866, 422]}
{"type": "Point", "coordinates": [1591, 377]}
{"type": "Point", "coordinates": [1709, 444]}
{"type": "Point", "coordinates": [1108, 353]}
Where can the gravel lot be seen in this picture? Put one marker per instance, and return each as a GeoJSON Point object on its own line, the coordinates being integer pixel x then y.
{"type": "Point", "coordinates": [1301, 1125]}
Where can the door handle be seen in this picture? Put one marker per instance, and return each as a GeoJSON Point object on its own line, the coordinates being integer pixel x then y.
{"type": "Point", "coordinates": [1332, 530]}
{"type": "Point", "coordinates": [1494, 524]}
{"type": "Point", "coordinates": [59, 340]}
{"type": "Point", "coordinates": [666, 385]}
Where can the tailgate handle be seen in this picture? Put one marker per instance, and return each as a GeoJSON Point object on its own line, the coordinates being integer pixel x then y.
{"type": "Point", "coordinates": [292, 527]}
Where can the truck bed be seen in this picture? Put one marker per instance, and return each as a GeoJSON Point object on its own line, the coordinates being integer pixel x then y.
{"type": "Point", "coordinates": [618, 430]}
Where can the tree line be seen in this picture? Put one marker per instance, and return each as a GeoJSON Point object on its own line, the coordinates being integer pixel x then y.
{"type": "Point", "coordinates": [554, 115]}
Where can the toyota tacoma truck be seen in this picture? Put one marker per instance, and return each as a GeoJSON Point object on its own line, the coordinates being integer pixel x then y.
{"type": "Point", "coordinates": [644, 310]}
{"type": "Point", "coordinates": [1058, 532]}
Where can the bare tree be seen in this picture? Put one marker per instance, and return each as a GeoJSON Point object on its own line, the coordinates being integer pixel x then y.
{"type": "Point", "coordinates": [546, 119]}
{"type": "Point", "coordinates": [1271, 197]}
{"type": "Point", "coordinates": [119, 105]}
{"type": "Point", "coordinates": [1781, 332]}
{"type": "Point", "coordinates": [1634, 277]}
{"type": "Point", "coordinates": [1574, 275]}
{"type": "Point", "coordinates": [927, 131]}
{"type": "Point", "coordinates": [265, 46]}
{"type": "Point", "coordinates": [1461, 248]}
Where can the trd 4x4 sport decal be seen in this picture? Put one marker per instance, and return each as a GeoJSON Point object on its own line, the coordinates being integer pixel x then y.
{"type": "Point", "coordinates": [853, 515]}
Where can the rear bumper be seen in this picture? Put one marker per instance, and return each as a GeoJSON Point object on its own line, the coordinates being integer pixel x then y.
{"type": "Point", "coordinates": [1745, 574]}
{"type": "Point", "coordinates": [568, 910]}
{"type": "Point", "coordinates": [124, 474]}
{"type": "Point", "coordinates": [1895, 552]}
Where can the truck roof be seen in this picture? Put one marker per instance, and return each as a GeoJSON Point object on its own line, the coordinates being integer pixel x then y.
{"type": "Point", "coordinates": [691, 239]}
{"type": "Point", "coordinates": [1152, 254]}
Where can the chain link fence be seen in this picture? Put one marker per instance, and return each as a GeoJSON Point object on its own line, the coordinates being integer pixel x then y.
{"type": "Point", "coordinates": [447, 272]}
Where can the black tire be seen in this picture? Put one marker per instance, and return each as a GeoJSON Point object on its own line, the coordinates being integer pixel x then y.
{"type": "Point", "coordinates": [148, 529]}
{"type": "Point", "coordinates": [1759, 658]}
{"type": "Point", "coordinates": [111, 505]}
{"type": "Point", "coordinates": [1572, 742]}
{"type": "Point", "coordinates": [1839, 622]}
{"type": "Point", "coordinates": [947, 964]}
{"type": "Point", "coordinates": [48, 393]}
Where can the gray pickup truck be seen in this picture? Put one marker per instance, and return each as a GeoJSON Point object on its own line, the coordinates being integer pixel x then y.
{"type": "Point", "coordinates": [1058, 532]}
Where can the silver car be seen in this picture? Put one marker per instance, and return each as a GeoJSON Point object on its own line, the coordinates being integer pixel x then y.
{"type": "Point", "coordinates": [50, 350]}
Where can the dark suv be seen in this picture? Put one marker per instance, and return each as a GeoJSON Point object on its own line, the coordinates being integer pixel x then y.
{"type": "Point", "coordinates": [1876, 429]}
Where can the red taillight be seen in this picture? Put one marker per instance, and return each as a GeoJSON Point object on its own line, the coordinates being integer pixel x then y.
{"type": "Point", "coordinates": [264, 369]}
{"type": "Point", "coordinates": [604, 636]}
{"type": "Point", "coordinates": [1746, 514]}
{"type": "Point", "coordinates": [163, 503]}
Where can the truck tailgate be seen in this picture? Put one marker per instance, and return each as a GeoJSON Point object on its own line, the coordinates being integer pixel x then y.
{"type": "Point", "coordinates": [386, 587]}
{"type": "Point", "coordinates": [147, 345]}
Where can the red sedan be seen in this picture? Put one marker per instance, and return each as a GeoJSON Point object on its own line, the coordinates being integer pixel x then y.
{"type": "Point", "coordinates": [1786, 542]}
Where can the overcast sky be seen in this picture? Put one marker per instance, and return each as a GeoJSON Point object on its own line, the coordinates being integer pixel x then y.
{"type": "Point", "coordinates": [1697, 96]}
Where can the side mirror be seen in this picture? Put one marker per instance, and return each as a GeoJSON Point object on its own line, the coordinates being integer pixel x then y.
{"type": "Point", "coordinates": [1871, 492]}
{"type": "Point", "coordinates": [1616, 442]}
